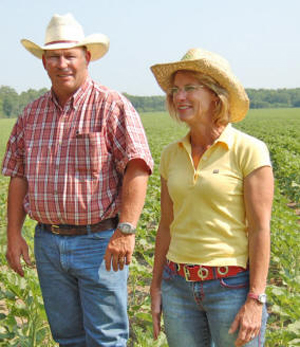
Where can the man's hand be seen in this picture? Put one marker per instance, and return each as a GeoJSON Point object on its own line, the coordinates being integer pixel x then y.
{"type": "Point", "coordinates": [248, 320]}
{"type": "Point", "coordinates": [17, 248]}
{"type": "Point", "coordinates": [16, 245]}
{"type": "Point", "coordinates": [119, 250]}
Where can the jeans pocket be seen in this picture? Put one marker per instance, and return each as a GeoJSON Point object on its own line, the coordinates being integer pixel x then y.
{"type": "Point", "coordinates": [167, 280]}
{"type": "Point", "coordinates": [38, 231]}
{"type": "Point", "coordinates": [168, 274]}
{"type": "Point", "coordinates": [101, 235]}
{"type": "Point", "coordinates": [240, 280]}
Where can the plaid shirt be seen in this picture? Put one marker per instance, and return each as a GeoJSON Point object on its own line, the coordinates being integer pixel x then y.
{"type": "Point", "coordinates": [74, 158]}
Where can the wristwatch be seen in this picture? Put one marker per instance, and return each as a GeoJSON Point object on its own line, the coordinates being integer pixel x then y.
{"type": "Point", "coordinates": [261, 298]}
{"type": "Point", "coordinates": [126, 228]}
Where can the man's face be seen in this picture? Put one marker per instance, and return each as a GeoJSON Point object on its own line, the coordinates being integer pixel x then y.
{"type": "Point", "coordinates": [67, 69]}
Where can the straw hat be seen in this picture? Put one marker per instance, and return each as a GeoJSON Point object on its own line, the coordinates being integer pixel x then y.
{"type": "Point", "coordinates": [64, 32]}
{"type": "Point", "coordinates": [210, 64]}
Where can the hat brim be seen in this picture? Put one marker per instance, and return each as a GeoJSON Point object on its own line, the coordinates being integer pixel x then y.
{"type": "Point", "coordinates": [97, 45]}
{"type": "Point", "coordinates": [238, 99]}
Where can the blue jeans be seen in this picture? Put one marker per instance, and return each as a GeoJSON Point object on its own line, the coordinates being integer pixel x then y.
{"type": "Point", "coordinates": [201, 313]}
{"type": "Point", "coordinates": [86, 305]}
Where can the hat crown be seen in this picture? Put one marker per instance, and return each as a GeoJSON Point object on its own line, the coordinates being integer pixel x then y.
{"type": "Point", "coordinates": [64, 32]}
{"type": "Point", "coordinates": [210, 57]}
{"type": "Point", "coordinates": [63, 28]}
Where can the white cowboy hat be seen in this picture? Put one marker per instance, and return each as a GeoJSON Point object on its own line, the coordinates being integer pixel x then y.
{"type": "Point", "coordinates": [210, 64]}
{"type": "Point", "coordinates": [64, 32]}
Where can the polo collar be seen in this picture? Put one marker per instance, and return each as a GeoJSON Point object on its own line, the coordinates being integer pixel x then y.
{"type": "Point", "coordinates": [225, 138]}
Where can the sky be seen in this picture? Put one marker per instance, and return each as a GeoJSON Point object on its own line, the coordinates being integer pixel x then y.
{"type": "Point", "coordinates": [259, 38]}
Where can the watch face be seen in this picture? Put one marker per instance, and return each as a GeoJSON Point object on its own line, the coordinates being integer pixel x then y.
{"type": "Point", "coordinates": [126, 228]}
{"type": "Point", "coordinates": [262, 298]}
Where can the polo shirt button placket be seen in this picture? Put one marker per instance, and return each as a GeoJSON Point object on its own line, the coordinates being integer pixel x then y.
{"type": "Point", "coordinates": [196, 176]}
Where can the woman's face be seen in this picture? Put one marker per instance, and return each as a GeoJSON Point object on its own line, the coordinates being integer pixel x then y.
{"type": "Point", "coordinates": [194, 103]}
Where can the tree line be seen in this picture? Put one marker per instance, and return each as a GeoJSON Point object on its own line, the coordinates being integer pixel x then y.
{"type": "Point", "coordinates": [12, 103]}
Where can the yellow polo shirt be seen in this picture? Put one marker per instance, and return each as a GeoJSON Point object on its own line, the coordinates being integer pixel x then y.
{"type": "Point", "coordinates": [209, 225]}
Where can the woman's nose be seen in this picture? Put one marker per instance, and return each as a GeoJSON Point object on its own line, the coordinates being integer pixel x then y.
{"type": "Point", "coordinates": [181, 94]}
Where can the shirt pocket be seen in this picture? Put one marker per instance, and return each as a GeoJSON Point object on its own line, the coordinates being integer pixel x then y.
{"type": "Point", "coordinates": [85, 151]}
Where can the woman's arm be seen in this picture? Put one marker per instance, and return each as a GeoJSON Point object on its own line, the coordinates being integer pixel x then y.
{"type": "Point", "coordinates": [161, 249]}
{"type": "Point", "coordinates": [258, 196]}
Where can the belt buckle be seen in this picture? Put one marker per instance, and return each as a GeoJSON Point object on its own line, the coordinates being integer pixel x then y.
{"type": "Point", "coordinates": [54, 229]}
{"type": "Point", "coordinates": [203, 273]}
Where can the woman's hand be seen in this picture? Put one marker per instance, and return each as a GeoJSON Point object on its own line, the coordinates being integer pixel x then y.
{"type": "Point", "coordinates": [248, 320]}
{"type": "Point", "coordinates": [156, 310]}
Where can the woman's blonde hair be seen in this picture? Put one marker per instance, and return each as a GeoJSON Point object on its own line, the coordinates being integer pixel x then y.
{"type": "Point", "coordinates": [221, 112]}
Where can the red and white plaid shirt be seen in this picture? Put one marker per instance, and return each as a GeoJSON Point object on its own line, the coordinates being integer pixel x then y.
{"type": "Point", "coordinates": [74, 158]}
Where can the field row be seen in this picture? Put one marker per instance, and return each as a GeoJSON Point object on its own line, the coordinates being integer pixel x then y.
{"type": "Point", "coordinates": [21, 309]}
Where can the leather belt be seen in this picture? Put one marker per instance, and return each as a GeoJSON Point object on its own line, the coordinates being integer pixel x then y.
{"type": "Point", "coordinates": [73, 230]}
{"type": "Point", "coordinates": [193, 273]}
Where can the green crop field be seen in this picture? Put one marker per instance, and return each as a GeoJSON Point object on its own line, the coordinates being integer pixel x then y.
{"type": "Point", "coordinates": [23, 322]}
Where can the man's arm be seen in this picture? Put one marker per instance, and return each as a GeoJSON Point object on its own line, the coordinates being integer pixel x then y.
{"type": "Point", "coordinates": [133, 197]}
{"type": "Point", "coordinates": [16, 245]}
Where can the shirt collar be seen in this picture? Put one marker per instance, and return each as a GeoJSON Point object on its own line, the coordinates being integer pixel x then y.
{"type": "Point", "coordinates": [82, 90]}
{"type": "Point", "coordinates": [76, 96]}
{"type": "Point", "coordinates": [225, 138]}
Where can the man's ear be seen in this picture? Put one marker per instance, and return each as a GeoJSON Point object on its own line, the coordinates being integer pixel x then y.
{"type": "Point", "coordinates": [87, 57]}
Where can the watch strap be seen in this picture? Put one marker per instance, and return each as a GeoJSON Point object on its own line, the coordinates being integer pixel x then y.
{"type": "Point", "coordinates": [261, 298]}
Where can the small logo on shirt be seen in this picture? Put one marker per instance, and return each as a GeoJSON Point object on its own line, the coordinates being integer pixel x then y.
{"type": "Point", "coordinates": [216, 171]}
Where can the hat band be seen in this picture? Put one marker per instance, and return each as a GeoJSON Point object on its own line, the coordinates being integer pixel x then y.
{"type": "Point", "coordinates": [54, 42]}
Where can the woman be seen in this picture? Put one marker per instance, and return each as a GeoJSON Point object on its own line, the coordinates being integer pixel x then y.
{"type": "Point", "coordinates": [213, 241]}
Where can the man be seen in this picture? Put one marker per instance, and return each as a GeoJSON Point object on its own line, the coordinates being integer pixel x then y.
{"type": "Point", "coordinates": [79, 161]}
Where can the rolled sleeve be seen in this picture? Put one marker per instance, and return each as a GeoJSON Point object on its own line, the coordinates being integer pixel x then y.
{"type": "Point", "coordinates": [128, 136]}
{"type": "Point", "coordinates": [13, 161]}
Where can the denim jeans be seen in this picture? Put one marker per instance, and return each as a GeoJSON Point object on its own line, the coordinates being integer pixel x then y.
{"type": "Point", "coordinates": [86, 305]}
{"type": "Point", "coordinates": [201, 313]}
